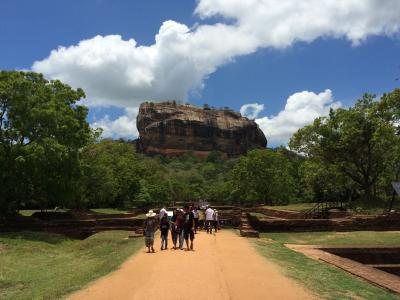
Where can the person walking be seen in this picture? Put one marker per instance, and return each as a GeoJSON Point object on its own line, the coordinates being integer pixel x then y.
{"type": "Point", "coordinates": [188, 225]}
{"type": "Point", "coordinates": [216, 221]}
{"type": "Point", "coordinates": [149, 228]}
{"type": "Point", "coordinates": [179, 228]}
{"type": "Point", "coordinates": [163, 212]}
{"type": "Point", "coordinates": [174, 232]}
{"type": "Point", "coordinates": [196, 218]}
{"type": "Point", "coordinates": [164, 228]}
{"type": "Point", "coordinates": [209, 219]}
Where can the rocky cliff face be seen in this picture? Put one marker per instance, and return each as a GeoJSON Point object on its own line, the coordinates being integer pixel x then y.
{"type": "Point", "coordinates": [172, 129]}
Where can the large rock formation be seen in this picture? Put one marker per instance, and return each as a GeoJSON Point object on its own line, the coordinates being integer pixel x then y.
{"type": "Point", "coordinates": [171, 129]}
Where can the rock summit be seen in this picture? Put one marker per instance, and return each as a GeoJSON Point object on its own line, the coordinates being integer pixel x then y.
{"type": "Point", "coordinates": [172, 129]}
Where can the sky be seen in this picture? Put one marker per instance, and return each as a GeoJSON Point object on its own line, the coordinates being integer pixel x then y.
{"type": "Point", "coordinates": [280, 62]}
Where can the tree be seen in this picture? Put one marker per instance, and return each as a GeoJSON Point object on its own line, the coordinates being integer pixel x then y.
{"type": "Point", "coordinates": [322, 182]}
{"type": "Point", "coordinates": [111, 174]}
{"type": "Point", "coordinates": [42, 130]}
{"type": "Point", "coordinates": [263, 177]}
{"type": "Point", "coordinates": [359, 141]}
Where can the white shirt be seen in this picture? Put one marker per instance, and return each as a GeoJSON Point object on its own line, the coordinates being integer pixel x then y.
{"type": "Point", "coordinates": [209, 214]}
{"type": "Point", "coordinates": [195, 214]}
{"type": "Point", "coordinates": [163, 211]}
{"type": "Point", "coordinates": [216, 216]}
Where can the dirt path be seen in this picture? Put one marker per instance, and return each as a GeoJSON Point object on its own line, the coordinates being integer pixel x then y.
{"type": "Point", "coordinates": [224, 266]}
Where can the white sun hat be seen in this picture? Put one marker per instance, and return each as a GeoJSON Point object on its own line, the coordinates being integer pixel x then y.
{"type": "Point", "coordinates": [150, 214]}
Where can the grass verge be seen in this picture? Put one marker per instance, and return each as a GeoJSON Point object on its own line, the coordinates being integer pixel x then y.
{"type": "Point", "coordinates": [109, 211]}
{"type": "Point", "coordinates": [324, 280]}
{"type": "Point", "coordinates": [38, 265]}
{"type": "Point", "coordinates": [293, 207]}
{"type": "Point", "coordinates": [389, 238]}
{"type": "Point", "coordinates": [358, 207]}
{"type": "Point", "coordinates": [30, 212]}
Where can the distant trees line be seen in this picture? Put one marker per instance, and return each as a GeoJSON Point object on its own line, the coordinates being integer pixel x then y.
{"type": "Point", "coordinates": [49, 156]}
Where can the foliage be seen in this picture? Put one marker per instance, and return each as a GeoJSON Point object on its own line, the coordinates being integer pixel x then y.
{"type": "Point", "coordinates": [322, 182]}
{"type": "Point", "coordinates": [360, 142]}
{"type": "Point", "coordinates": [50, 157]}
{"type": "Point", "coordinates": [42, 130]}
{"type": "Point", "coordinates": [111, 174]}
{"type": "Point", "coordinates": [263, 176]}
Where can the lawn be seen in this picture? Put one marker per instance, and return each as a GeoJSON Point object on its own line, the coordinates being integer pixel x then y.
{"type": "Point", "coordinates": [258, 215]}
{"type": "Point", "coordinates": [293, 207]}
{"type": "Point", "coordinates": [109, 211]}
{"type": "Point", "coordinates": [49, 266]}
{"type": "Point", "coordinates": [390, 238]}
{"type": "Point", "coordinates": [324, 280]}
{"type": "Point", "coordinates": [30, 212]}
{"type": "Point", "coordinates": [357, 207]}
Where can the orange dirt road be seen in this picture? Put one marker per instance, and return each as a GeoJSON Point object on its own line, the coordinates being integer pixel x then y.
{"type": "Point", "coordinates": [224, 266]}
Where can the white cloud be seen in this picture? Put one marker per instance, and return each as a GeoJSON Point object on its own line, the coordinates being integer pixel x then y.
{"type": "Point", "coordinates": [301, 109]}
{"type": "Point", "coordinates": [122, 127]}
{"type": "Point", "coordinates": [251, 110]}
{"type": "Point", "coordinates": [120, 72]}
{"type": "Point", "coordinates": [113, 71]}
{"type": "Point", "coordinates": [280, 23]}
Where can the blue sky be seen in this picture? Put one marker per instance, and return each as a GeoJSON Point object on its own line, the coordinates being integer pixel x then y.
{"type": "Point", "coordinates": [317, 67]}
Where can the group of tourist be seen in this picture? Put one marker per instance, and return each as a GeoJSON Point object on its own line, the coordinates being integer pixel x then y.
{"type": "Point", "coordinates": [211, 220]}
{"type": "Point", "coordinates": [183, 225]}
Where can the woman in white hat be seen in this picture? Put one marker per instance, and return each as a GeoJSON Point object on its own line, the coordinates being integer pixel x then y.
{"type": "Point", "coordinates": [150, 227]}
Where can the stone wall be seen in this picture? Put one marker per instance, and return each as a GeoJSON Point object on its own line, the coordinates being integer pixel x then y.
{"type": "Point", "coordinates": [73, 227]}
{"type": "Point", "coordinates": [378, 223]}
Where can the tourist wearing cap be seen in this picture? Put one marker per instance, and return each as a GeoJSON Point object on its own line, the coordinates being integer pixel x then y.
{"type": "Point", "coordinates": [150, 227]}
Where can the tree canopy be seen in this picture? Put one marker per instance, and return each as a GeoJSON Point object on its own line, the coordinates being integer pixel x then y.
{"type": "Point", "coordinates": [361, 142]}
{"type": "Point", "coordinates": [50, 156]}
{"type": "Point", "coordinates": [42, 130]}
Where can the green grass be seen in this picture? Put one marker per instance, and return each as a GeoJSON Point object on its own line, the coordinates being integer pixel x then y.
{"type": "Point", "coordinates": [372, 210]}
{"type": "Point", "coordinates": [390, 238]}
{"type": "Point", "coordinates": [49, 266]}
{"type": "Point", "coordinates": [293, 207]}
{"type": "Point", "coordinates": [320, 278]}
{"type": "Point", "coordinates": [30, 212]}
{"type": "Point", "coordinates": [109, 211]}
{"type": "Point", "coordinates": [258, 215]}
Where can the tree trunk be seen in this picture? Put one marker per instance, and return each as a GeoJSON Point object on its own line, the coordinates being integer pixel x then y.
{"type": "Point", "coordinates": [394, 192]}
{"type": "Point", "coordinates": [367, 193]}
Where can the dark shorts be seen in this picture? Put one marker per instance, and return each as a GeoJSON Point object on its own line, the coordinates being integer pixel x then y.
{"type": "Point", "coordinates": [188, 233]}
